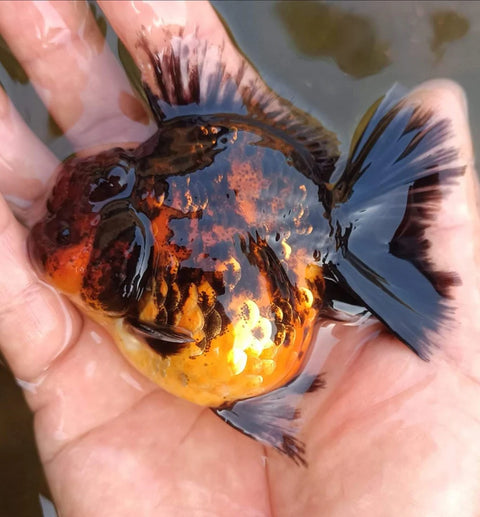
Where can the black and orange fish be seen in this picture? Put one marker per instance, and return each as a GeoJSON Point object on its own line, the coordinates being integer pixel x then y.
{"type": "Point", "coordinates": [213, 250]}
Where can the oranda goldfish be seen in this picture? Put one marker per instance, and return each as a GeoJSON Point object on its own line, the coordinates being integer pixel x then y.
{"type": "Point", "coordinates": [212, 250]}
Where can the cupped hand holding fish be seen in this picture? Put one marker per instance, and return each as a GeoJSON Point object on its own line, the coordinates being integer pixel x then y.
{"type": "Point", "coordinates": [390, 434]}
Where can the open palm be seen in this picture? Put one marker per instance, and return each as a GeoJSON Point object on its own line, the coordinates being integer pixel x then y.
{"type": "Point", "coordinates": [390, 435]}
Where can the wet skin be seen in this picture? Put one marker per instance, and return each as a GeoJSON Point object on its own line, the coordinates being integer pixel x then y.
{"type": "Point", "coordinates": [378, 432]}
{"type": "Point", "coordinates": [218, 249]}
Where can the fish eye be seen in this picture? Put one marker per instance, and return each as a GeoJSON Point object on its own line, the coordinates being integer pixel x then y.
{"type": "Point", "coordinates": [64, 234]}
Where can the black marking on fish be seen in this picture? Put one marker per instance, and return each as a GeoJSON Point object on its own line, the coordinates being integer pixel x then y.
{"type": "Point", "coordinates": [388, 195]}
{"type": "Point", "coordinates": [165, 340]}
{"type": "Point", "coordinates": [273, 418]}
{"type": "Point", "coordinates": [118, 269]}
{"type": "Point", "coordinates": [189, 83]}
{"type": "Point", "coordinates": [269, 419]}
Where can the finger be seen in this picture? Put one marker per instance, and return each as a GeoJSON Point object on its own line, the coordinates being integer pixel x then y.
{"type": "Point", "coordinates": [169, 460]}
{"type": "Point", "coordinates": [73, 374]}
{"type": "Point", "coordinates": [159, 22]}
{"type": "Point", "coordinates": [64, 54]}
{"type": "Point", "coordinates": [25, 164]}
{"type": "Point", "coordinates": [36, 326]}
{"type": "Point", "coordinates": [89, 385]}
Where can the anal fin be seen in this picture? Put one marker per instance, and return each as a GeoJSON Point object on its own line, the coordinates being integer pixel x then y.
{"type": "Point", "coordinates": [274, 418]}
{"type": "Point", "coordinates": [163, 339]}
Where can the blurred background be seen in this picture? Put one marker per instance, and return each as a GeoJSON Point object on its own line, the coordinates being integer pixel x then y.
{"type": "Point", "coordinates": [333, 59]}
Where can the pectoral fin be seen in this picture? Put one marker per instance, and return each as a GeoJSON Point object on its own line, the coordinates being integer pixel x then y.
{"type": "Point", "coordinates": [163, 339]}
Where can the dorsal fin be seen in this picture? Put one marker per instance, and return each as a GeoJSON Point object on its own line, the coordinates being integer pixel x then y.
{"type": "Point", "coordinates": [192, 79]}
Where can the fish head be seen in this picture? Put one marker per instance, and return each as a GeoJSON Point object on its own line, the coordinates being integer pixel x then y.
{"type": "Point", "coordinates": [89, 243]}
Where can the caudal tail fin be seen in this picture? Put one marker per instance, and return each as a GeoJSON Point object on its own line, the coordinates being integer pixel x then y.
{"type": "Point", "coordinates": [399, 167]}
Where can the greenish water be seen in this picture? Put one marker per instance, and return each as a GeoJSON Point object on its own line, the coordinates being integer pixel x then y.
{"type": "Point", "coordinates": [334, 59]}
{"type": "Point", "coordinates": [331, 59]}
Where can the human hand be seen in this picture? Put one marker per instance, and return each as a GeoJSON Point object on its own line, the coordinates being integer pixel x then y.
{"type": "Point", "coordinates": [385, 435]}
